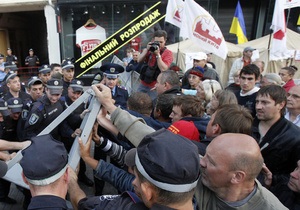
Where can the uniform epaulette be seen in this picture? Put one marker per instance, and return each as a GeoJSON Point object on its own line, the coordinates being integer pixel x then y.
{"type": "Point", "coordinates": [62, 98]}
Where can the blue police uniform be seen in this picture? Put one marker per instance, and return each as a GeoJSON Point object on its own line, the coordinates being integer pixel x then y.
{"type": "Point", "coordinates": [44, 168]}
{"type": "Point", "coordinates": [120, 95]}
{"type": "Point", "coordinates": [42, 202]}
{"type": "Point", "coordinates": [43, 112]}
{"type": "Point", "coordinates": [41, 115]}
{"type": "Point", "coordinates": [66, 65]}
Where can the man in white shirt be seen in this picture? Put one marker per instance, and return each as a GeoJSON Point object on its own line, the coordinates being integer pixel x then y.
{"type": "Point", "coordinates": [239, 63]}
{"type": "Point", "coordinates": [293, 105]}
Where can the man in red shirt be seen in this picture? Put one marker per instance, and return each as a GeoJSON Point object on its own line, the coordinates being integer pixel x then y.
{"type": "Point", "coordinates": [158, 58]}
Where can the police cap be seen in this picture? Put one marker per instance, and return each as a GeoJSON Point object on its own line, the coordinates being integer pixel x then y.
{"type": "Point", "coordinates": [158, 159]}
{"type": "Point", "coordinates": [44, 161]}
{"type": "Point", "coordinates": [15, 105]}
{"type": "Point", "coordinates": [76, 85]}
{"type": "Point", "coordinates": [112, 70]}
{"type": "Point", "coordinates": [55, 86]}
{"type": "Point", "coordinates": [67, 64]}
{"type": "Point", "coordinates": [3, 107]}
{"type": "Point", "coordinates": [44, 69]}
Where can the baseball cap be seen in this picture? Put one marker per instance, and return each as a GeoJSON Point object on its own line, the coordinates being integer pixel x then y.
{"type": "Point", "coordinates": [112, 70]}
{"type": "Point", "coordinates": [67, 64]}
{"type": "Point", "coordinates": [15, 105]}
{"type": "Point", "coordinates": [55, 86]}
{"type": "Point", "coordinates": [8, 48]}
{"type": "Point", "coordinates": [158, 159]}
{"type": "Point", "coordinates": [76, 85]}
{"type": "Point", "coordinates": [44, 69]}
{"type": "Point", "coordinates": [30, 49]}
{"type": "Point", "coordinates": [186, 129]}
{"type": "Point", "coordinates": [200, 56]}
{"type": "Point", "coordinates": [1, 56]}
{"type": "Point", "coordinates": [3, 107]}
{"type": "Point", "coordinates": [44, 161]}
{"type": "Point", "coordinates": [34, 81]}
{"type": "Point", "coordinates": [249, 49]}
{"type": "Point", "coordinates": [198, 71]}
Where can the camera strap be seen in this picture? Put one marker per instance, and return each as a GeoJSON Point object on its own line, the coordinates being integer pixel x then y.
{"type": "Point", "coordinates": [150, 57]}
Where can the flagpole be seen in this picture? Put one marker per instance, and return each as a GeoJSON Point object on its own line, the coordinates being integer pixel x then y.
{"type": "Point", "coordinates": [288, 17]}
{"type": "Point", "coordinates": [177, 51]}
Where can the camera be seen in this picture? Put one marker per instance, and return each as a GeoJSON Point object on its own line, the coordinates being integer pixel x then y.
{"type": "Point", "coordinates": [154, 46]}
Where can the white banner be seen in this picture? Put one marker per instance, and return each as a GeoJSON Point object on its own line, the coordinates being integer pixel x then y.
{"type": "Point", "coordinates": [291, 3]}
{"type": "Point", "coordinates": [174, 12]}
{"type": "Point", "coordinates": [199, 26]}
{"type": "Point", "coordinates": [278, 48]}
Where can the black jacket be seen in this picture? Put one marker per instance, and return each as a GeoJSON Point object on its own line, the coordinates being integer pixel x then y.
{"type": "Point", "coordinates": [280, 147]}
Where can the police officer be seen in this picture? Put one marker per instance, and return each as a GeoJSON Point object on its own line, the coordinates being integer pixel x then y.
{"type": "Point", "coordinates": [35, 89]}
{"type": "Point", "coordinates": [161, 185]}
{"type": "Point", "coordinates": [45, 110]}
{"type": "Point", "coordinates": [44, 73]}
{"type": "Point", "coordinates": [14, 87]}
{"type": "Point", "coordinates": [68, 74]}
{"type": "Point", "coordinates": [31, 60]}
{"type": "Point", "coordinates": [75, 90]}
{"type": "Point", "coordinates": [10, 58]}
{"type": "Point", "coordinates": [111, 75]}
{"type": "Point", "coordinates": [4, 185]}
{"type": "Point", "coordinates": [46, 172]}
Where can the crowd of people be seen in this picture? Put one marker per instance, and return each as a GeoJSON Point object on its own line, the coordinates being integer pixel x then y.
{"type": "Point", "coordinates": [175, 143]}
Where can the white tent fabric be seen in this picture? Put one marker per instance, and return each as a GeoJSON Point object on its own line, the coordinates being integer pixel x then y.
{"type": "Point", "coordinates": [185, 48]}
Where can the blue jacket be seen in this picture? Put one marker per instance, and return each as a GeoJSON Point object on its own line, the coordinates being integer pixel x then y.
{"type": "Point", "coordinates": [115, 176]}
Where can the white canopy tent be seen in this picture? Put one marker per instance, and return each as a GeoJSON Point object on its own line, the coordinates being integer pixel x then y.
{"type": "Point", "coordinates": [184, 49]}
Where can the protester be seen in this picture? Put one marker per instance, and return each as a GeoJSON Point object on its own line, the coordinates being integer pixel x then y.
{"type": "Point", "coordinates": [239, 63]}
{"type": "Point", "coordinates": [246, 97]}
{"type": "Point", "coordinates": [271, 79]}
{"type": "Point", "coordinates": [228, 176]}
{"type": "Point", "coordinates": [272, 131]}
{"type": "Point", "coordinates": [287, 75]}
{"type": "Point", "coordinates": [293, 105]}
{"type": "Point", "coordinates": [286, 190]}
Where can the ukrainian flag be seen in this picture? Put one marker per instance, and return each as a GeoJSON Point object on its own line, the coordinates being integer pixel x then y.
{"type": "Point", "coordinates": [238, 25]}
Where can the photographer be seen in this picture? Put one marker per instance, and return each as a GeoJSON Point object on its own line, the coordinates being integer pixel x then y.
{"type": "Point", "coordinates": [156, 58]}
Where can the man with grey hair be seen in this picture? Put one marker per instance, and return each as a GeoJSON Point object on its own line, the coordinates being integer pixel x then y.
{"type": "Point", "coordinates": [271, 79]}
{"type": "Point", "coordinates": [293, 105]}
{"type": "Point", "coordinates": [167, 82]}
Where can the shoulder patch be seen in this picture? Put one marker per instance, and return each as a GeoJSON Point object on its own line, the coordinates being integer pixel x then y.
{"type": "Point", "coordinates": [24, 114]}
{"type": "Point", "coordinates": [33, 119]}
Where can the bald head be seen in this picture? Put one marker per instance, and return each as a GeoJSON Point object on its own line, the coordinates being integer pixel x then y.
{"type": "Point", "coordinates": [242, 151]}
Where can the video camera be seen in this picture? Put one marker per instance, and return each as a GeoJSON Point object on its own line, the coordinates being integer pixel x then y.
{"type": "Point", "coordinates": [154, 46]}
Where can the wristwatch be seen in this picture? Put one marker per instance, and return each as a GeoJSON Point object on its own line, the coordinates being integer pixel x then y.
{"type": "Point", "coordinates": [158, 56]}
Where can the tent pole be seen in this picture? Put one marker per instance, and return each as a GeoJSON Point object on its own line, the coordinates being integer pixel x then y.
{"type": "Point", "coordinates": [177, 52]}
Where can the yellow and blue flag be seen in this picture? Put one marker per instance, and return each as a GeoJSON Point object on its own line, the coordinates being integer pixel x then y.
{"type": "Point", "coordinates": [238, 25]}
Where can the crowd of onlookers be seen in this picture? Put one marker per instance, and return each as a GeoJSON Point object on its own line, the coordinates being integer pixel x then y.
{"type": "Point", "coordinates": [184, 143]}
